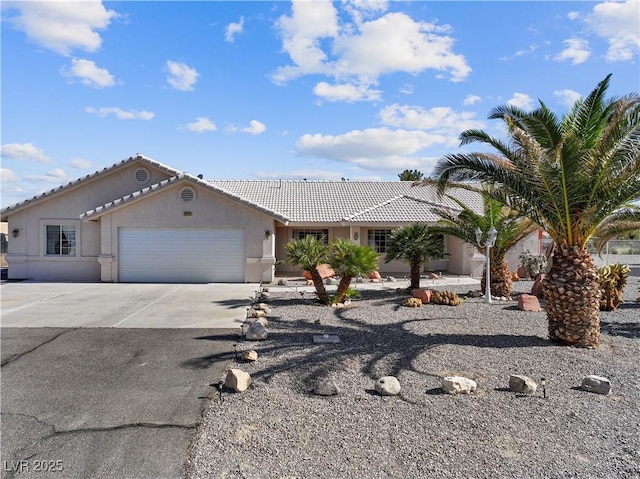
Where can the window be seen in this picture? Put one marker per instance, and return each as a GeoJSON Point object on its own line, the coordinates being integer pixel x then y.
{"type": "Point", "coordinates": [320, 234]}
{"type": "Point", "coordinates": [61, 240]}
{"type": "Point", "coordinates": [377, 239]}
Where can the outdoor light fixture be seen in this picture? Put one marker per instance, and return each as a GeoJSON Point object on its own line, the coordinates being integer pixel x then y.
{"type": "Point", "coordinates": [15, 232]}
{"type": "Point", "coordinates": [267, 233]}
{"type": "Point", "coordinates": [488, 244]}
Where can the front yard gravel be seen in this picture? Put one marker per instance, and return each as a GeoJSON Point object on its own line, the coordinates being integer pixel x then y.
{"type": "Point", "coordinates": [279, 428]}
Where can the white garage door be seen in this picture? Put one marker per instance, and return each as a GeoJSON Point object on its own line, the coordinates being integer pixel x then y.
{"type": "Point", "coordinates": [154, 255]}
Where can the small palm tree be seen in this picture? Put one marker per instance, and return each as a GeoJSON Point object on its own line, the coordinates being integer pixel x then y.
{"type": "Point", "coordinates": [510, 226]}
{"type": "Point", "coordinates": [414, 244]}
{"type": "Point", "coordinates": [568, 174]}
{"type": "Point", "coordinates": [308, 253]}
{"type": "Point", "coordinates": [350, 260]}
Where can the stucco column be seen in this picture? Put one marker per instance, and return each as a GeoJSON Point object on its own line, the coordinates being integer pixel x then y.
{"type": "Point", "coordinates": [106, 252]}
{"type": "Point", "coordinates": [268, 259]}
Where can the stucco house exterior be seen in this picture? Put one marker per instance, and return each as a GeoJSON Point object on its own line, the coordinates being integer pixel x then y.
{"type": "Point", "coordinates": [141, 221]}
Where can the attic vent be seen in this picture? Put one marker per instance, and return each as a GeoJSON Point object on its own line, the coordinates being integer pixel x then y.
{"type": "Point", "coordinates": [187, 194]}
{"type": "Point", "coordinates": [141, 176]}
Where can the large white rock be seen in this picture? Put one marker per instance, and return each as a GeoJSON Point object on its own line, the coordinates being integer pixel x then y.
{"type": "Point", "coordinates": [388, 386]}
{"type": "Point", "coordinates": [522, 384]}
{"type": "Point", "coordinates": [596, 384]}
{"type": "Point", "coordinates": [256, 332]}
{"type": "Point", "coordinates": [458, 385]}
{"type": "Point", "coordinates": [237, 380]}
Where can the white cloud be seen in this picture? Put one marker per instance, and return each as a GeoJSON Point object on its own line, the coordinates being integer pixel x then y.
{"type": "Point", "coordinates": [201, 124]}
{"type": "Point", "coordinates": [120, 114]}
{"type": "Point", "coordinates": [567, 97]}
{"type": "Point", "coordinates": [375, 148]}
{"type": "Point", "coordinates": [573, 15]}
{"type": "Point", "coordinates": [577, 51]}
{"type": "Point", "coordinates": [7, 176]}
{"type": "Point", "coordinates": [358, 54]}
{"type": "Point", "coordinates": [23, 151]}
{"type": "Point", "coordinates": [619, 24]}
{"type": "Point", "coordinates": [442, 121]}
{"type": "Point", "coordinates": [233, 29]}
{"type": "Point", "coordinates": [89, 74]}
{"type": "Point", "coordinates": [521, 100]}
{"type": "Point", "coordinates": [346, 92]}
{"type": "Point", "coordinates": [54, 176]}
{"type": "Point", "coordinates": [255, 128]}
{"type": "Point", "coordinates": [471, 100]}
{"type": "Point", "coordinates": [181, 76]}
{"type": "Point", "coordinates": [62, 26]}
{"type": "Point", "coordinates": [80, 163]}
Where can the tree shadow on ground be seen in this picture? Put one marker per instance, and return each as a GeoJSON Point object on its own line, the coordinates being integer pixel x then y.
{"type": "Point", "coordinates": [367, 347]}
{"type": "Point", "coordinates": [626, 330]}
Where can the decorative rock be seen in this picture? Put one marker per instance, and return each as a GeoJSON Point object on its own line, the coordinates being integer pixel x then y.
{"type": "Point", "coordinates": [522, 384]}
{"type": "Point", "coordinates": [433, 276]}
{"type": "Point", "coordinates": [388, 386]}
{"type": "Point", "coordinates": [257, 314]}
{"type": "Point", "coordinates": [528, 302]}
{"type": "Point", "coordinates": [423, 295]}
{"type": "Point", "coordinates": [596, 384]}
{"type": "Point", "coordinates": [391, 279]}
{"type": "Point", "coordinates": [474, 293]}
{"type": "Point", "coordinates": [375, 275]}
{"type": "Point", "coordinates": [237, 380]}
{"type": "Point", "coordinates": [263, 307]}
{"type": "Point", "coordinates": [250, 356]}
{"type": "Point", "coordinates": [256, 332]}
{"type": "Point", "coordinates": [283, 282]}
{"type": "Point", "coordinates": [326, 388]}
{"type": "Point", "coordinates": [309, 282]}
{"type": "Point", "coordinates": [359, 280]}
{"type": "Point", "coordinates": [536, 289]}
{"type": "Point", "coordinates": [331, 281]}
{"type": "Point", "coordinates": [458, 385]}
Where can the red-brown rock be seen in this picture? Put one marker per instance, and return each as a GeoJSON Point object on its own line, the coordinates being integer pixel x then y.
{"type": "Point", "coordinates": [423, 295]}
{"type": "Point", "coordinates": [528, 302]}
{"type": "Point", "coordinates": [375, 275]}
{"type": "Point", "coordinates": [536, 289]}
{"type": "Point", "coordinates": [325, 270]}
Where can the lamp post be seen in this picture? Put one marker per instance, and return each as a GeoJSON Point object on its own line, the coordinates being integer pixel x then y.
{"type": "Point", "coordinates": [490, 241]}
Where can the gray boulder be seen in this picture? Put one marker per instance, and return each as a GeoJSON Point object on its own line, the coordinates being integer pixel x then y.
{"type": "Point", "coordinates": [458, 385]}
{"type": "Point", "coordinates": [256, 332]}
{"type": "Point", "coordinates": [522, 384]}
{"type": "Point", "coordinates": [326, 388]}
{"type": "Point", "coordinates": [596, 384]}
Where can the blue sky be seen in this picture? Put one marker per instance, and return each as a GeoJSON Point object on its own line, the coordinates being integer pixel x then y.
{"type": "Point", "coordinates": [274, 89]}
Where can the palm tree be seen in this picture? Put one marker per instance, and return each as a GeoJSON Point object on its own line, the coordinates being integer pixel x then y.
{"type": "Point", "coordinates": [414, 244]}
{"type": "Point", "coordinates": [568, 174]}
{"type": "Point", "coordinates": [350, 260]}
{"type": "Point", "coordinates": [510, 226]}
{"type": "Point", "coordinates": [308, 253]}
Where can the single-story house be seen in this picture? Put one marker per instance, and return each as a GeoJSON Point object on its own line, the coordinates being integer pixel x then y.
{"type": "Point", "coordinates": [141, 221]}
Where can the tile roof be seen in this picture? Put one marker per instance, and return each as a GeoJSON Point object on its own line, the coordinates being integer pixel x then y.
{"type": "Point", "coordinates": [346, 201]}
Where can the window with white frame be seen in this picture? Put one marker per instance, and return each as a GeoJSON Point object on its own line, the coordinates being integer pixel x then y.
{"type": "Point", "coordinates": [320, 234]}
{"type": "Point", "coordinates": [60, 240]}
{"type": "Point", "coordinates": [378, 239]}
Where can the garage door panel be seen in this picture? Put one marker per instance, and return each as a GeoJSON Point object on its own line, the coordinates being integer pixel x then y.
{"type": "Point", "coordinates": [181, 255]}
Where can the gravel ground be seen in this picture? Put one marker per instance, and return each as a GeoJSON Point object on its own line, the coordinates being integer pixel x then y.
{"type": "Point", "coordinates": [279, 429]}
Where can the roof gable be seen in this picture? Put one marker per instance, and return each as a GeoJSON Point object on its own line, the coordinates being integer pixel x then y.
{"type": "Point", "coordinates": [83, 180]}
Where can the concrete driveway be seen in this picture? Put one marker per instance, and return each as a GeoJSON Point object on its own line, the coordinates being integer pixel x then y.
{"type": "Point", "coordinates": [29, 304]}
{"type": "Point", "coordinates": [109, 380]}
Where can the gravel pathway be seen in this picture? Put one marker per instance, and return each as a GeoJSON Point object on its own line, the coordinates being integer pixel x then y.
{"type": "Point", "coordinates": [279, 429]}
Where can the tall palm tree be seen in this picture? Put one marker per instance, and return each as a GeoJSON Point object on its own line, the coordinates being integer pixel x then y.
{"type": "Point", "coordinates": [414, 244]}
{"type": "Point", "coordinates": [308, 253]}
{"type": "Point", "coordinates": [350, 260]}
{"type": "Point", "coordinates": [568, 174]}
{"type": "Point", "coordinates": [510, 226]}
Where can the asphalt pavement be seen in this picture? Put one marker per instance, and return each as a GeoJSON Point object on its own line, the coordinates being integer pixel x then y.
{"type": "Point", "coordinates": [109, 381]}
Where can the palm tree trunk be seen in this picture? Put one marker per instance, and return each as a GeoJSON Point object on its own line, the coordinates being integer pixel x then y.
{"type": "Point", "coordinates": [415, 274]}
{"type": "Point", "coordinates": [343, 286]}
{"type": "Point", "coordinates": [323, 297]}
{"type": "Point", "coordinates": [501, 278]}
{"type": "Point", "coordinates": [572, 294]}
